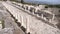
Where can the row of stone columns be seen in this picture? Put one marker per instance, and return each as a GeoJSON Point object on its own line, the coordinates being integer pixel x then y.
{"type": "Point", "coordinates": [28, 8]}
{"type": "Point", "coordinates": [21, 17]}
{"type": "Point", "coordinates": [42, 16]}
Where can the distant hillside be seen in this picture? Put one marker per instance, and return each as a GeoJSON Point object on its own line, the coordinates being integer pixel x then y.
{"type": "Point", "coordinates": [41, 2]}
{"type": "Point", "coordinates": [44, 3]}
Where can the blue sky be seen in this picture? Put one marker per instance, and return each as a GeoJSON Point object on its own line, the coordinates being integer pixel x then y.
{"type": "Point", "coordinates": [49, 1]}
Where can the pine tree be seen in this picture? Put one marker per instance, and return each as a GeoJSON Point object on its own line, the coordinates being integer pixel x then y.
{"type": "Point", "coordinates": [21, 1]}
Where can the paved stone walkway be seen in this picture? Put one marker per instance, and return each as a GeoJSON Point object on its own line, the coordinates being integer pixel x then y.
{"type": "Point", "coordinates": [10, 27]}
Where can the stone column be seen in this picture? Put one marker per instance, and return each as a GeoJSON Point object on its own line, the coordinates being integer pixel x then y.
{"type": "Point", "coordinates": [50, 20]}
{"type": "Point", "coordinates": [53, 17]}
{"type": "Point", "coordinates": [42, 15]}
{"type": "Point", "coordinates": [37, 14]}
{"type": "Point", "coordinates": [29, 8]}
{"type": "Point", "coordinates": [33, 12]}
{"type": "Point", "coordinates": [45, 18]}
{"type": "Point", "coordinates": [16, 16]}
{"type": "Point", "coordinates": [0, 25]}
{"type": "Point", "coordinates": [22, 20]}
{"type": "Point", "coordinates": [19, 18]}
{"type": "Point", "coordinates": [27, 25]}
{"type": "Point", "coordinates": [25, 7]}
